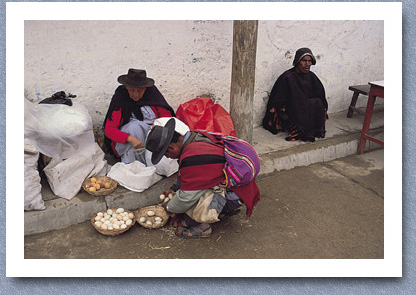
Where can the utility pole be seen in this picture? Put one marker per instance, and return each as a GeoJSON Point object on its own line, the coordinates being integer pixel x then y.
{"type": "Point", "coordinates": [243, 77]}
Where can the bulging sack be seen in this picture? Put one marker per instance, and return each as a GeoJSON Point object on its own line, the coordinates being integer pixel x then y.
{"type": "Point", "coordinates": [242, 164]}
{"type": "Point", "coordinates": [202, 113]}
{"type": "Point", "coordinates": [204, 211]}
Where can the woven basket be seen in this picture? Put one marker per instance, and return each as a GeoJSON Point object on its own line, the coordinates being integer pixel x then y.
{"type": "Point", "coordinates": [112, 232]}
{"type": "Point", "coordinates": [101, 191]}
{"type": "Point", "coordinates": [159, 211]}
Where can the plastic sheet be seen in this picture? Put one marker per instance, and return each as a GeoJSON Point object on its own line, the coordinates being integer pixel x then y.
{"type": "Point", "coordinates": [134, 176]}
{"type": "Point", "coordinates": [201, 113]}
{"type": "Point", "coordinates": [59, 131]}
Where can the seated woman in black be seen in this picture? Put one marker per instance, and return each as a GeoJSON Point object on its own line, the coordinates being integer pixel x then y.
{"type": "Point", "coordinates": [297, 103]}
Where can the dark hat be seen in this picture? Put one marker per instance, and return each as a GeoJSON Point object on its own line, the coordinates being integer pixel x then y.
{"type": "Point", "coordinates": [300, 53]}
{"type": "Point", "coordinates": [136, 78]}
{"type": "Point", "coordinates": [159, 139]}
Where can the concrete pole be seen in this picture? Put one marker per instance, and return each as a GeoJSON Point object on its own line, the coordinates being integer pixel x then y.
{"type": "Point", "coordinates": [243, 77]}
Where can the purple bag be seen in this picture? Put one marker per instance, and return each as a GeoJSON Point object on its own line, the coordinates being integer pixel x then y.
{"type": "Point", "coordinates": [242, 164]}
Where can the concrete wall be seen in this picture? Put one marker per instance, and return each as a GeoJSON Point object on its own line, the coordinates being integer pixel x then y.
{"type": "Point", "coordinates": [347, 53]}
{"type": "Point", "coordinates": [192, 58]}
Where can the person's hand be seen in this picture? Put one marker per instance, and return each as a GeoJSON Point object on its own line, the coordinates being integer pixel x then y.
{"type": "Point", "coordinates": [135, 142]}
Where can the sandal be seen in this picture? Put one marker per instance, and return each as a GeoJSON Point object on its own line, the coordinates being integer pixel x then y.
{"type": "Point", "coordinates": [229, 213]}
{"type": "Point", "coordinates": [193, 232]}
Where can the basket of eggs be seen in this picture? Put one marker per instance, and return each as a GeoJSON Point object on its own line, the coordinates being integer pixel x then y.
{"type": "Point", "coordinates": [151, 216]}
{"type": "Point", "coordinates": [99, 185]}
{"type": "Point", "coordinates": [113, 222]}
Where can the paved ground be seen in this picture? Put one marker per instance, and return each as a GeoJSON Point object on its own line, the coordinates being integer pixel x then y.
{"type": "Point", "coordinates": [329, 210]}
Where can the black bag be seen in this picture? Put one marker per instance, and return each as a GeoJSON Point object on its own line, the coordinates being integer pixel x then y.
{"type": "Point", "coordinates": [59, 98]}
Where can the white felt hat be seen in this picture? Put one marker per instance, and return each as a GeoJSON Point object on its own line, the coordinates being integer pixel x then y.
{"type": "Point", "coordinates": [180, 126]}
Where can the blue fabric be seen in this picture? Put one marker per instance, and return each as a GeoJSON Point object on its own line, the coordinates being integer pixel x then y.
{"type": "Point", "coordinates": [138, 129]}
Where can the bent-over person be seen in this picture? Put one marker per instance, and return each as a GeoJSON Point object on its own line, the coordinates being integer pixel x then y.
{"type": "Point", "coordinates": [200, 175]}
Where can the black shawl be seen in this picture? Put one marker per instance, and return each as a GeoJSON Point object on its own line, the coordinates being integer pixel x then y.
{"type": "Point", "coordinates": [301, 97]}
{"type": "Point", "coordinates": [121, 100]}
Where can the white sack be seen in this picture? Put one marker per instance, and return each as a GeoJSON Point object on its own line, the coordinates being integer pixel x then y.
{"type": "Point", "coordinates": [58, 130]}
{"type": "Point", "coordinates": [33, 196]}
{"type": "Point", "coordinates": [65, 177]}
{"type": "Point", "coordinates": [134, 176]}
{"type": "Point", "coordinates": [165, 167]}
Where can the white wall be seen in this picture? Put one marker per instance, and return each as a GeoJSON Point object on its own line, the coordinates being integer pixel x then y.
{"type": "Point", "coordinates": [347, 53]}
{"type": "Point", "coordinates": [192, 58]}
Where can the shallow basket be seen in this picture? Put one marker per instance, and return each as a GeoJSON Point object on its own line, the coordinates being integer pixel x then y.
{"type": "Point", "coordinates": [159, 211]}
{"type": "Point", "coordinates": [102, 191]}
{"type": "Point", "coordinates": [112, 232]}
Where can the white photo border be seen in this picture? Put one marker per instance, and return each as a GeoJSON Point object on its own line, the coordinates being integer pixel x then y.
{"type": "Point", "coordinates": [390, 13]}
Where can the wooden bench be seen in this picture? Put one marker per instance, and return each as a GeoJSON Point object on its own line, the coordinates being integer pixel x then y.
{"type": "Point", "coordinates": [357, 89]}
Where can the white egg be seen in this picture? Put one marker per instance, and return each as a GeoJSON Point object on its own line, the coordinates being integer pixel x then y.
{"type": "Point", "coordinates": [119, 217]}
{"type": "Point", "coordinates": [157, 218]}
{"type": "Point", "coordinates": [170, 196]}
{"type": "Point", "coordinates": [107, 217]}
{"type": "Point", "coordinates": [162, 197]}
{"type": "Point", "coordinates": [128, 222]}
{"type": "Point", "coordinates": [158, 222]}
{"type": "Point", "coordinates": [142, 219]}
{"type": "Point", "coordinates": [166, 200]}
{"type": "Point", "coordinates": [123, 226]}
{"type": "Point", "coordinates": [110, 212]}
{"type": "Point", "coordinates": [114, 215]}
{"type": "Point", "coordinates": [97, 223]}
{"type": "Point", "coordinates": [103, 226]}
{"type": "Point", "coordinates": [116, 226]}
{"type": "Point", "coordinates": [131, 215]}
{"type": "Point", "coordinates": [110, 228]}
{"type": "Point", "coordinates": [101, 214]}
{"type": "Point", "coordinates": [97, 218]}
{"type": "Point", "coordinates": [125, 213]}
{"type": "Point", "coordinates": [122, 222]}
{"type": "Point", "coordinates": [120, 210]}
{"type": "Point", "coordinates": [102, 220]}
{"type": "Point", "coordinates": [150, 213]}
{"type": "Point", "coordinates": [125, 218]}
{"type": "Point", "coordinates": [148, 222]}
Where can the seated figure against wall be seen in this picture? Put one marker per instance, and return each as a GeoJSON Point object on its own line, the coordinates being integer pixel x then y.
{"type": "Point", "coordinates": [135, 105]}
{"type": "Point", "coordinates": [297, 102]}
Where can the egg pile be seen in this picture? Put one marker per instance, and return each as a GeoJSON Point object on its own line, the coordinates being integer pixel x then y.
{"type": "Point", "coordinates": [151, 218]}
{"type": "Point", "coordinates": [163, 198]}
{"type": "Point", "coordinates": [114, 219]}
{"type": "Point", "coordinates": [97, 184]}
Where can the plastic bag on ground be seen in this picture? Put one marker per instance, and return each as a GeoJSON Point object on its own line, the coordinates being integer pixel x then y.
{"type": "Point", "coordinates": [58, 130]}
{"type": "Point", "coordinates": [134, 176]}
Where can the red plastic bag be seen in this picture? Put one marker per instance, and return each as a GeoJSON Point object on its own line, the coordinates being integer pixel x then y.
{"type": "Point", "coordinates": [201, 113]}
